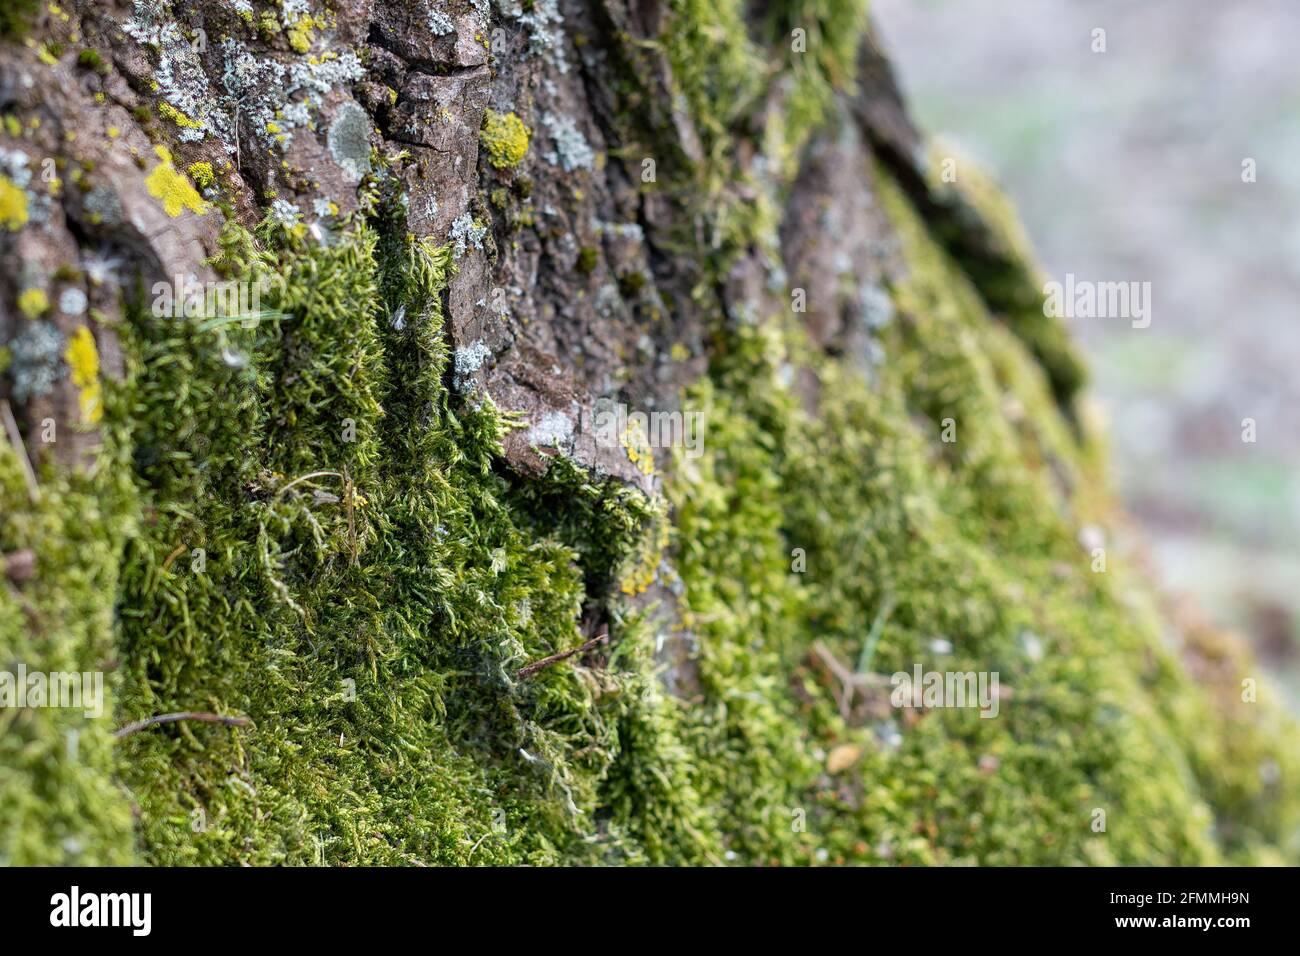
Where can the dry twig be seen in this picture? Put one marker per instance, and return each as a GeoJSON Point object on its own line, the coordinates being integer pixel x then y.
{"type": "Point", "coordinates": [528, 670]}
{"type": "Point", "coordinates": [184, 715]}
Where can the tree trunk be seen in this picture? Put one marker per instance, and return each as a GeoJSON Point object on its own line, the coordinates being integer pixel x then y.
{"type": "Point", "coordinates": [536, 432]}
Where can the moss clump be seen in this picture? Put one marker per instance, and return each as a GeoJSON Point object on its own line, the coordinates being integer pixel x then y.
{"type": "Point", "coordinates": [16, 16]}
{"type": "Point", "coordinates": [505, 137]}
{"type": "Point", "coordinates": [59, 800]}
{"type": "Point", "coordinates": [631, 284]}
{"type": "Point", "coordinates": [92, 60]}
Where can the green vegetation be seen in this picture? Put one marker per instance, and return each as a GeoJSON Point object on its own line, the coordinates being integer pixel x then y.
{"type": "Point", "coordinates": [15, 18]}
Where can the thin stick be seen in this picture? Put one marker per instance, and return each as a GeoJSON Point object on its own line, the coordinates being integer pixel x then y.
{"type": "Point", "coordinates": [302, 478]}
{"type": "Point", "coordinates": [173, 556]}
{"type": "Point", "coordinates": [20, 449]}
{"type": "Point", "coordinates": [352, 521]}
{"type": "Point", "coordinates": [528, 670]}
{"type": "Point", "coordinates": [850, 682]}
{"type": "Point", "coordinates": [184, 715]}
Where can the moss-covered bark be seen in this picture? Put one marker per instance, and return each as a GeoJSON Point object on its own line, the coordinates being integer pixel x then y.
{"type": "Point", "coordinates": [354, 517]}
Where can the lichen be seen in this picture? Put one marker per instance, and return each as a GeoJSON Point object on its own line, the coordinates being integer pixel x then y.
{"type": "Point", "coordinates": [171, 187]}
{"type": "Point", "coordinates": [83, 363]}
{"type": "Point", "coordinates": [33, 302]}
{"type": "Point", "coordinates": [34, 361]}
{"type": "Point", "coordinates": [13, 205]}
{"type": "Point", "coordinates": [572, 151]}
{"type": "Point", "coordinates": [349, 140]}
{"type": "Point", "coordinates": [202, 174]}
{"type": "Point", "coordinates": [466, 233]}
{"type": "Point", "coordinates": [506, 139]}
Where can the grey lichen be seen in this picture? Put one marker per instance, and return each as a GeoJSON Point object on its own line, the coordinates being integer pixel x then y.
{"type": "Point", "coordinates": [546, 34]}
{"type": "Point", "coordinates": [465, 232]}
{"type": "Point", "coordinates": [469, 359]}
{"type": "Point", "coordinates": [572, 151]}
{"type": "Point", "coordinates": [35, 361]}
{"type": "Point", "coordinates": [72, 301]}
{"type": "Point", "coordinates": [439, 23]}
{"type": "Point", "coordinates": [349, 140]}
{"type": "Point", "coordinates": [285, 213]}
{"type": "Point", "coordinates": [552, 430]}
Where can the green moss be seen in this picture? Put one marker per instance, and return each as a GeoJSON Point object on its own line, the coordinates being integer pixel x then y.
{"type": "Point", "coordinates": [59, 800]}
{"type": "Point", "coordinates": [631, 284]}
{"type": "Point", "coordinates": [16, 16]}
{"type": "Point", "coordinates": [92, 60]}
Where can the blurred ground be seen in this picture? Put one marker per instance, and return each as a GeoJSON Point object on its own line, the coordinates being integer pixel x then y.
{"type": "Point", "coordinates": [1127, 165]}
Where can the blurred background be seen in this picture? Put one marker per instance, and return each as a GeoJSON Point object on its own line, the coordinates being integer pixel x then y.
{"type": "Point", "coordinates": [1127, 166]}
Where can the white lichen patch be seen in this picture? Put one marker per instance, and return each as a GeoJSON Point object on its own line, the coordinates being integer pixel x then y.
{"type": "Point", "coordinates": [572, 151]}
{"type": "Point", "coordinates": [439, 23]}
{"type": "Point", "coordinates": [349, 140]}
{"type": "Point", "coordinates": [35, 361]}
{"type": "Point", "coordinates": [72, 301]}
{"type": "Point", "coordinates": [468, 360]}
{"type": "Point", "coordinates": [875, 307]}
{"type": "Point", "coordinates": [631, 231]}
{"type": "Point", "coordinates": [263, 89]}
{"type": "Point", "coordinates": [552, 430]}
{"type": "Point", "coordinates": [285, 213]}
{"type": "Point", "coordinates": [14, 163]}
{"type": "Point", "coordinates": [181, 79]}
{"type": "Point", "coordinates": [465, 232]}
{"type": "Point", "coordinates": [545, 25]}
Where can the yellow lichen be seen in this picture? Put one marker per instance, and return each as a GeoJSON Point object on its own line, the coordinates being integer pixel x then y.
{"type": "Point", "coordinates": [637, 445]}
{"type": "Point", "coordinates": [201, 173]}
{"type": "Point", "coordinates": [171, 186]}
{"type": "Point", "coordinates": [33, 302]}
{"type": "Point", "coordinates": [644, 565]}
{"type": "Point", "coordinates": [300, 38]}
{"type": "Point", "coordinates": [177, 117]}
{"type": "Point", "coordinates": [83, 362]}
{"type": "Point", "coordinates": [506, 139]}
{"type": "Point", "coordinates": [13, 204]}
